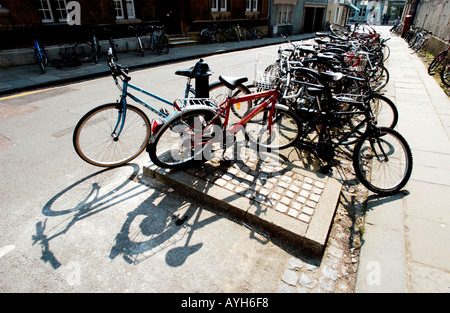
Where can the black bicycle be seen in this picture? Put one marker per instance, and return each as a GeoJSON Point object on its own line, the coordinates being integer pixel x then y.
{"type": "Point", "coordinates": [87, 51]}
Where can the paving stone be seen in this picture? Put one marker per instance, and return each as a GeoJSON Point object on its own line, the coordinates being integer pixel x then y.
{"type": "Point", "coordinates": [281, 207]}
{"type": "Point", "coordinates": [304, 218]}
{"type": "Point", "coordinates": [295, 263]}
{"type": "Point", "coordinates": [290, 277]}
{"type": "Point", "coordinates": [326, 284]}
{"type": "Point", "coordinates": [307, 281]}
{"type": "Point", "coordinates": [293, 212]}
{"type": "Point", "coordinates": [283, 288]}
{"type": "Point", "coordinates": [328, 272]}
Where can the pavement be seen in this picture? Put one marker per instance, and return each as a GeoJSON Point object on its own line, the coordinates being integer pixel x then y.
{"type": "Point", "coordinates": [404, 243]}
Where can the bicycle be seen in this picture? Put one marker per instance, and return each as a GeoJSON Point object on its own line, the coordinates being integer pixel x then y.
{"type": "Point", "coordinates": [40, 55]}
{"type": "Point", "coordinates": [193, 133]}
{"type": "Point", "coordinates": [438, 60]}
{"type": "Point", "coordinates": [207, 35]}
{"type": "Point", "coordinates": [159, 40]}
{"type": "Point", "coordinates": [382, 159]}
{"type": "Point", "coordinates": [445, 75]}
{"type": "Point", "coordinates": [139, 46]}
{"type": "Point", "coordinates": [87, 51]}
{"type": "Point", "coordinates": [116, 133]}
{"type": "Point", "coordinates": [254, 33]}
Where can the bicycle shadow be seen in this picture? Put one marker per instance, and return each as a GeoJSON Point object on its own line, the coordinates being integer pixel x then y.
{"type": "Point", "coordinates": [161, 221]}
{"type": "Point", "coordinates": [82, 199]}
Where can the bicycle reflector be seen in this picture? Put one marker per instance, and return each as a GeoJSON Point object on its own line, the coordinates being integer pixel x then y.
{"type": "Point", "coordinates": [157, 123]}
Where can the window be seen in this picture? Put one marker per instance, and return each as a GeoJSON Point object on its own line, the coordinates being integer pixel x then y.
{"type": "Point", "coordinates": [129, 6]}
{"type": "Point", "coordinates": [61, 10]}
{"type": "Point", "coordinates": [337, 12]}
{"type": "Point", "coordinates": [45, 11]}
{"type": "Point", "coordinates": [119, 9]}
{"type": "Point", "coordinates": [218, 5]}
{"type": "Point", "coordinates": [130, 9]}
{"type": "Point", "coordinates": [251, 5]}
{"type": "Point", "coordinates": [284, 14]}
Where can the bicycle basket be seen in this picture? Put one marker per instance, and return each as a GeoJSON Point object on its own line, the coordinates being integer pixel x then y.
{"type": "Point", "coordinates": [266, 71]}
{"type": "Point", "coordinates": [181, 103]}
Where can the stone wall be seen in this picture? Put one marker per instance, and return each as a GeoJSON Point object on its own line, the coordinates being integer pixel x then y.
{"type": "Point", "coordinates": [434, 16]}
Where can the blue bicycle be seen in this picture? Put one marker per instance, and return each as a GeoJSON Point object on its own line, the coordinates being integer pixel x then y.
{"type": "Point", "coordinates": [40, 55]}
{"type": "Point", "coordinates": [116, 133]}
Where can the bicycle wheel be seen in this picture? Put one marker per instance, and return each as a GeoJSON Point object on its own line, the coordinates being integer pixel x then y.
{"type": "Point", "coordinates": [384, 110]}
{"type": "Point", "coordinates": [94, 137]}
{"type": "Point", "coordinates": [183, 139]}
{"type": "Point", "coordinates": [258, 34]}
{"type": "Point", "coordinates": [206, 36]}
{"type": "Point", "coordinates": [40, 61]}
{"type": "Point", "coordinates": [380, 76]}
{"type": "Point", "coordinates": [339, 31]}
{"type": "Point", "coordinates": [164, 45]}
{"type": "Point", "coordinates": [382, 160]}
{"type": "Point", "coordinates": [83, 51]}
{"type": "Point", "coordinates": [445, 75]}
{"type": "Point", "coordinates": [140, 48]}
{"type": "Point", "coordinates": [218, 93]}
{"type": "Point", "coordinates": [436, 62]}
{"type": "Point", "coordinates": [284, 131]}
{"type": "Point", "coordinates": [158, 45]}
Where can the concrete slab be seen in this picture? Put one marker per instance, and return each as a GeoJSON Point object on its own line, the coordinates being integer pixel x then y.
{"type": "Point", "coordinates": [282, 199]}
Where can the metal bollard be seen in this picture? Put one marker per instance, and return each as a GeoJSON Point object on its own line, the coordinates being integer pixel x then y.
{"type": "Point", "coordinates": [201, 73]}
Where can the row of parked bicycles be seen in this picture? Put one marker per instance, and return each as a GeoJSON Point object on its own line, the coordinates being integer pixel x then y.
{"type": "Point", "coordinates": [233, 33]}
{"type": "Point", "coordinates": [323, 96]}
{"type": "Point", "coordinates": [417, 38]}
{"type": "Point", "coordinates": [147, 36]}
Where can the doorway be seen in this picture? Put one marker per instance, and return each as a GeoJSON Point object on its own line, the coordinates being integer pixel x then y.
{"type": "Point", "coordinates": [313, 19]}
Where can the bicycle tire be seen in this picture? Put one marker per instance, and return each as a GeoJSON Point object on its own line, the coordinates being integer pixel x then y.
{"type": "Point", "coordinates": [40, 61]}
{"type": "Point", "coordinates": [165, 45]}
{"type": "Point", "coordinates": [258, 34]}
{"type": "Point", "coordinates": [206, 36]}
{"type": "Point", "coordinates": [172, 146]}
{"type": "Point", "coordinates": [94, 142]}
{"type": "Point", "coordinates": [339, 31]}
{"type": "Point", "coordinates": [374, 155]}
{"type": "Point", "coordinates": [286, 128]}
{"type": "Point", "coordinates": [445, 75]}
{"type": "Point", "coordinates": [436, 62]}
{"type": "Point", "coordinates": [140, 47]}
{"type": "Point", "coordinates": [384, 110]}
{"type": "Point", "coordinates": [83, 51]}
{"type": "Point", "coordinates": [158, 46]}
{"type": "Point", "coordinates": [218, 93]}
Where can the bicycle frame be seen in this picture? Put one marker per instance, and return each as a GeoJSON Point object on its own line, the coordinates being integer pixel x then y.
{"type": "Point", "coordinates": [125, 93]}
{"type": "Point", "coordinates": [225, 107]}
{"type": "Point", "coordinates": [37, 49]}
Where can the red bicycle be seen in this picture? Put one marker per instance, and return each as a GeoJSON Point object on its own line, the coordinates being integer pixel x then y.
{"type": "Point", "coordinates": [438, 60]}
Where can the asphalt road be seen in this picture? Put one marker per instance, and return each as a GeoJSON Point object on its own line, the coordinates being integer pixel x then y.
{"type": "Point", "coordinates": [67, 226]}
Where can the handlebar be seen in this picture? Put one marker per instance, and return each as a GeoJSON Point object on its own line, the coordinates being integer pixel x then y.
{"type": "Point", "coordinates": [117, 69]}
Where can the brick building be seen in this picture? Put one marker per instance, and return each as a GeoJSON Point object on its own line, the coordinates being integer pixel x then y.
{"type": "Point", "coordinates": [46, 19]}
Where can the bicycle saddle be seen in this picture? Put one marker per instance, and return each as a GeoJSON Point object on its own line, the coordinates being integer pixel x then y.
{"type": "Point", "coordinates": [232, 82]}
{"type": "Point", "coordinates": [188, 73]}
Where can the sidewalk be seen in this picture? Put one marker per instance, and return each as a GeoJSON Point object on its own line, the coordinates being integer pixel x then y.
{"type": "Point", "coordinates": [27, 77]}
{"type": "Point", "coordinates": [406, 237]}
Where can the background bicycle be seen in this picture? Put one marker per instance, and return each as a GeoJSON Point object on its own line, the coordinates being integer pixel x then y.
{"type": "Point", "coordinates": [40, 55]}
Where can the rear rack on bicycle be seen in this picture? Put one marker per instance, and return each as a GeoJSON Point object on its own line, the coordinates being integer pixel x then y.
{"type": "Point", "coordinates": [266, 71]}
{"type": "Point", "coordinates": [349, 97]}
{"type": "Point", "coordinates": [182, 103]}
